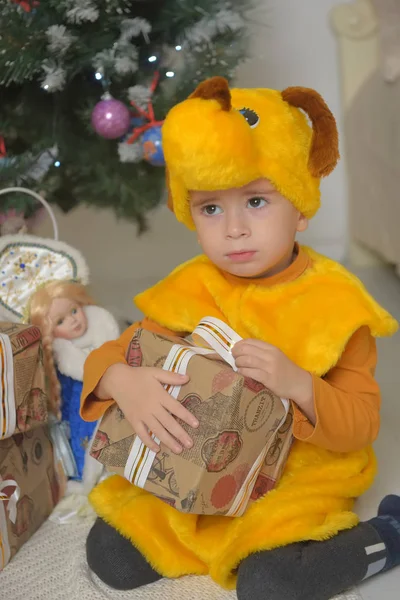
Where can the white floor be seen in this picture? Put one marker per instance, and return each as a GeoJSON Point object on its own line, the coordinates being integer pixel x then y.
{"type": "Point", "coordinates": [385, 287]}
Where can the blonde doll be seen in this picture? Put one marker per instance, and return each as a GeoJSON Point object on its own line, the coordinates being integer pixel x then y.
{"type": "Point", "coordinates": [72, 326]}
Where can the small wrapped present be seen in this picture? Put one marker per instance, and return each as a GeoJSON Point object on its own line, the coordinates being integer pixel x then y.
{"type": "Point", "coordinates": [23, 391]}
{"type": "Point", "coordinates": [240, 447]}
{"type": "Point", "coordinates": [32, 481]}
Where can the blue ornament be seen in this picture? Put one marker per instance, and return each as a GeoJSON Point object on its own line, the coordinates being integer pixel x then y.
{"type": "Point", "coordinates": [5, 162]}
{"type": "Point", "coordinates": [137, 122]}
{"type": "Point", "coordinates": [152, 146]}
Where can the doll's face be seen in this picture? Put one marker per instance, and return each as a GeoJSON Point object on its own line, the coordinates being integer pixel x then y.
{"type": "Point", "coordinates": [68, 318]}
{"type": "Point", "coordinates": [248, 231]}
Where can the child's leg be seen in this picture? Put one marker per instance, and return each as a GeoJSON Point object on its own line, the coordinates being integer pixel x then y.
{"type": "Point", "coordinates": [319, 570]}
{"type": "Point", "coordinates": [115, 560]}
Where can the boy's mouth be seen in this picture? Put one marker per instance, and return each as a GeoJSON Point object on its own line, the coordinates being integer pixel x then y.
{"type": "Point", "coordinates": [241, 256]}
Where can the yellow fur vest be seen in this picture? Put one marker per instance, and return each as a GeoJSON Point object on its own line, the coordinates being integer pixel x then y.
{"type": "Point", "coordinates": [311, 319]}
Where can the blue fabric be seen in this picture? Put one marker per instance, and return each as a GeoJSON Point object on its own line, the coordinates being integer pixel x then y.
{"type": "Point", "coordinates": [80, 431]}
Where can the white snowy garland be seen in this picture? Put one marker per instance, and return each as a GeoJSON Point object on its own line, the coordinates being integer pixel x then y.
{"type": "Point", "coordinates": [123, 56]}
{"type": "Point", "coordinates": [59, 39]}
{"type": "Point", "coordinates": [140, 95]}
{"type": "Point", "coordinates": [79, 11]}
{"type": "Point", "coordinates": [132, 153]}
{"type": "Point", "coordinates": [54, 78]}
{"type": "Point", "coordinates": [210, 26]}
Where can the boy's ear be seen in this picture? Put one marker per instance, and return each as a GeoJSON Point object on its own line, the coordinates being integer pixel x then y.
{"type": "Point", "coordinates": [324, 153]}
{"type": "Point", "coordinates": [302, 223]}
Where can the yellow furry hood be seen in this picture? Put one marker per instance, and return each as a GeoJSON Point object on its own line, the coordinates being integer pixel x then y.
{"type": "Point", "coordinates": [220, 138]}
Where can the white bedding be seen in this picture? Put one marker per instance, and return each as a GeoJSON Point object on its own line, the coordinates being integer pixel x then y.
{"type": "Point", "coordinates": [52, 566]}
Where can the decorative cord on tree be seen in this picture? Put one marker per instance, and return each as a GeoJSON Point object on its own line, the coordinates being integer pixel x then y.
{"type": "Point", "coordinates": [149, 132]}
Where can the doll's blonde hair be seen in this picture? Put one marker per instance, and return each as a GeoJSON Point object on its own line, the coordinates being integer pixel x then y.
{"type": "Point", "coordinates": [38, 314]}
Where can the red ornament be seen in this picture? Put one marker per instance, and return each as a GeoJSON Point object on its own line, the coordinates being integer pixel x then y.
{"type": "Point", "coordinates": [3, 152]}
{"type": "Point", "coordinates": [27, 5]}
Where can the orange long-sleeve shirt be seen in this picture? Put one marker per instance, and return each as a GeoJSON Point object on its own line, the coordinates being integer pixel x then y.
{"type": "Point", "coordinates": [346, 400]}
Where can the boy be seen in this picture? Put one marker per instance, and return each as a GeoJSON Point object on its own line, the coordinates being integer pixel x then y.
{"type": "Point", "coordinates": [244, 169]}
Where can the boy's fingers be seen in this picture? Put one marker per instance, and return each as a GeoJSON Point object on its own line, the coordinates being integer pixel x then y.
{"type": "Point", "coordinates": [143, 433]}
{"type": "Point", "coordinates": [173, 427]}
{"type": "Point", "coordinates": [256, 374]}
{"type": "Point", "coordinates": [247, 350]}
{"type": "Point", "coordinates": [159, 430]}
{"type": "Point", "coordinates": [251, 362]}
{"type": "Point", "coordinates": [264, 354]}
{"type": "Point", "coordinates": [239, 347]}
{"type": "Point", "coordinates": [170, 378]}
{"type": "Point", "coordinates": [176, 408]}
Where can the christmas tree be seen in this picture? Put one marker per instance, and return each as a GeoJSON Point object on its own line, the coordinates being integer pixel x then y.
{"type": "Point", "coordinates": [85, 85]}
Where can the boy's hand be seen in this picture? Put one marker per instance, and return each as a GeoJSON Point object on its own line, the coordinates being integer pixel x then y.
{"type": "Point", "coordinates": [271, 367]}
{"type": "Point", "coordinates": [140, 394]}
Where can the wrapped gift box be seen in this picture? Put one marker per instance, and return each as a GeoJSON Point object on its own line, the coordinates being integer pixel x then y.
{"type": "Point", "coordinates": [23, 391]}
{"type": "Point", "coordinates": [32, 481]}
{"type": "Point", "coordinates": [239, 448]}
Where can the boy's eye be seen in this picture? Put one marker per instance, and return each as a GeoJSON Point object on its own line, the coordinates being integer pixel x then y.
{"type": "Point", "coordinates": [211, 209]}
{"type": "Point", "coordinates": [257, 202]}
{"type": "Point", "coordinates": [60, 322]}
{"type": "Point", "coordinates": [74, 311]}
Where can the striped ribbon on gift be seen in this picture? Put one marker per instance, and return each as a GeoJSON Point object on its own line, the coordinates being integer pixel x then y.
{"type": "Point", "coordinates": [7, 398]}
{"type": "Point", "coordinates": [5, 551]}
{"type": "Point", "coordinates": [211, 336]}
{"type": "Point", "coordinates": [141, 458]}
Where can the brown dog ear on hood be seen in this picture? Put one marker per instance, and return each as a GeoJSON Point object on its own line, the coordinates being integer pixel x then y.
{"type": "Point", "coordinates": [215, 88]}
{"type": "Point", "coordinates": [324, 153]}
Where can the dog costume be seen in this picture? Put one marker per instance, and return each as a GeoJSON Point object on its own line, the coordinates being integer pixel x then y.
{"type": "Point", "coordinates": [221, 138]}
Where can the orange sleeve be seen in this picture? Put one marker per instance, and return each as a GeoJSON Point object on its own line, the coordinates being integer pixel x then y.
{"type": "Point", "coordinates": [97, 363]}
{"type": "Point", "coordinates": [347, 400]}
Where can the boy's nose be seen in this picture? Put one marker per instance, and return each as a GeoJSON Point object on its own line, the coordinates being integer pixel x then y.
{"type": "Point", "coordinates": [236, 227]}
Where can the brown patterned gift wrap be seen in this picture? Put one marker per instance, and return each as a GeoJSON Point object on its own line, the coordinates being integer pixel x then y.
{"type": "Point", "coordinates": [31, 484]}
{"type": "Point", "coordinates": [239, 449]}
{"type": "Point", "coordinates": [23, 389]}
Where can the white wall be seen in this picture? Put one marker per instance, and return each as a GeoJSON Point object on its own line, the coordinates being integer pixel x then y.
{"type": "Point", "coordinates": [357, 34]}
{"type": "Point", "coordinates": [121, 263]}
{"type": "Point", "coordinates": [292, 43]}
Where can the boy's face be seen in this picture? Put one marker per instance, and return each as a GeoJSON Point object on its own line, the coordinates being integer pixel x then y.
{"type": "Point", "coordinates": [248, 231]}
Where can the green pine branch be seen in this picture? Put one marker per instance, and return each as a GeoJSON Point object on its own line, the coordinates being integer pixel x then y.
{"type": "Point", "coordinates": [33, 120]}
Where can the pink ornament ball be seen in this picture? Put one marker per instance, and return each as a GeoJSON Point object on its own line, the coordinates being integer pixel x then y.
{"type": "Point", "coordinates": [111, 119]}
